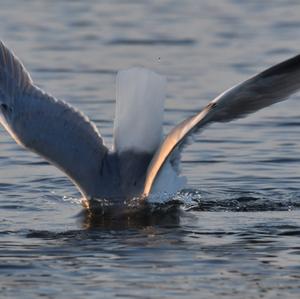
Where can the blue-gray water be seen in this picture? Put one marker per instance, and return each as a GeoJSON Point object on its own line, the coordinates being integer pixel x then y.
{"type": "Point", "coordinates": [241, 239]}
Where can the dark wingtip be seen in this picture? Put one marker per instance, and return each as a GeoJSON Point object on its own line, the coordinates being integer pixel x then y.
{"type": "Point", "coordinates": [287, 66]}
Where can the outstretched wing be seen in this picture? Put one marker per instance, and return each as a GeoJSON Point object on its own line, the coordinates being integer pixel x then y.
{"type": "Point", "coordinates": [49, 127]}
{"type": "Point", "coordinates": [271, 86]}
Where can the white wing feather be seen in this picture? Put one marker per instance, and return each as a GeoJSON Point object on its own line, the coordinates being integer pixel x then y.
{"type": "Point", "coordinates": [271, 86]}
{"type": "Point", "coordinates": [49, 127]}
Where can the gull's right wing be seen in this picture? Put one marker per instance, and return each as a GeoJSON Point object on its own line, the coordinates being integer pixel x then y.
{"type": "Point", "coordinates": [49, 127]}
{"type": "Point", "coordinates": [264, 89]}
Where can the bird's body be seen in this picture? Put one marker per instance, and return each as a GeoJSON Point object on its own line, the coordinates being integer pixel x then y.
{"type": "Point", "coordinates": [141, 162]}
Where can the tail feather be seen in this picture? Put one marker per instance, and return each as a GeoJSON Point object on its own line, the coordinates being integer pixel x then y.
{"type": "Point", "coordinates": [140, 100]}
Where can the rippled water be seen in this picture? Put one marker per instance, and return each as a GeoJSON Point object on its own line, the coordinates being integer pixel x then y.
{"type": "Point", "coordinates": [238, 234]}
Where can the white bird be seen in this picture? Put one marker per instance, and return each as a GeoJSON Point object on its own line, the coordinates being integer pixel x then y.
{"type": "Point", "coordinates": [141, 162]}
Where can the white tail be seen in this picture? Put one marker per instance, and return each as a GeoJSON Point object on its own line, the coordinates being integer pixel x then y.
{"type": "Point", "coordinates": [140, 100]}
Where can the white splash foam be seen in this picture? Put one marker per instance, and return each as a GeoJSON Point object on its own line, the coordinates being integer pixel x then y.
{"type": "Point", "coordinates": [166, 185]}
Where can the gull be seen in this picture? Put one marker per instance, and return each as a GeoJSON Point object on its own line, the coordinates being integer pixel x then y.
{"type": "Point", "coordinates": [141, 162]}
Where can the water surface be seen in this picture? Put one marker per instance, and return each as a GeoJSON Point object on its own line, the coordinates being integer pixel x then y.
{"type": "Point", "coordinates": [240, 235]}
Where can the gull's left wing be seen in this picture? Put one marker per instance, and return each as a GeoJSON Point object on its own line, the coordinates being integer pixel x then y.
{"type": "Point", "coordinates": [50, 127]}
{"type": "Point", "coordinates": [273, 85]}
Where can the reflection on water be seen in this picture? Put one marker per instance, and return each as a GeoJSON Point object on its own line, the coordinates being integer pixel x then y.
{"type": "Point", "coordinates": [236, 231]}
{"type": "Point", "coordinates": [131, 217]}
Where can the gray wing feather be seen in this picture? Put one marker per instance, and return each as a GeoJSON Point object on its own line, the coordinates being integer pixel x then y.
{"type": "Point", "coordinates": [264, 89]}
{"type": "Point", "coordinates": [273, 85]}
{"type": "Point", "coordinates": [50, 127]}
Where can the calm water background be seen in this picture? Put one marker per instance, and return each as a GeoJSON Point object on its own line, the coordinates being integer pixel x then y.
{"type": "Point", "coordinates": [241, 240]}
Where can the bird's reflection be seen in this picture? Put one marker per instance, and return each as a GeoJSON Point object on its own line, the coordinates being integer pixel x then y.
{"type": "Point", "coordinates": [138, 216]}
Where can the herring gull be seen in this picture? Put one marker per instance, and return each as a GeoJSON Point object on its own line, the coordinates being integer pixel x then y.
{"type": "Point", "coordinates": [141, 163]}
